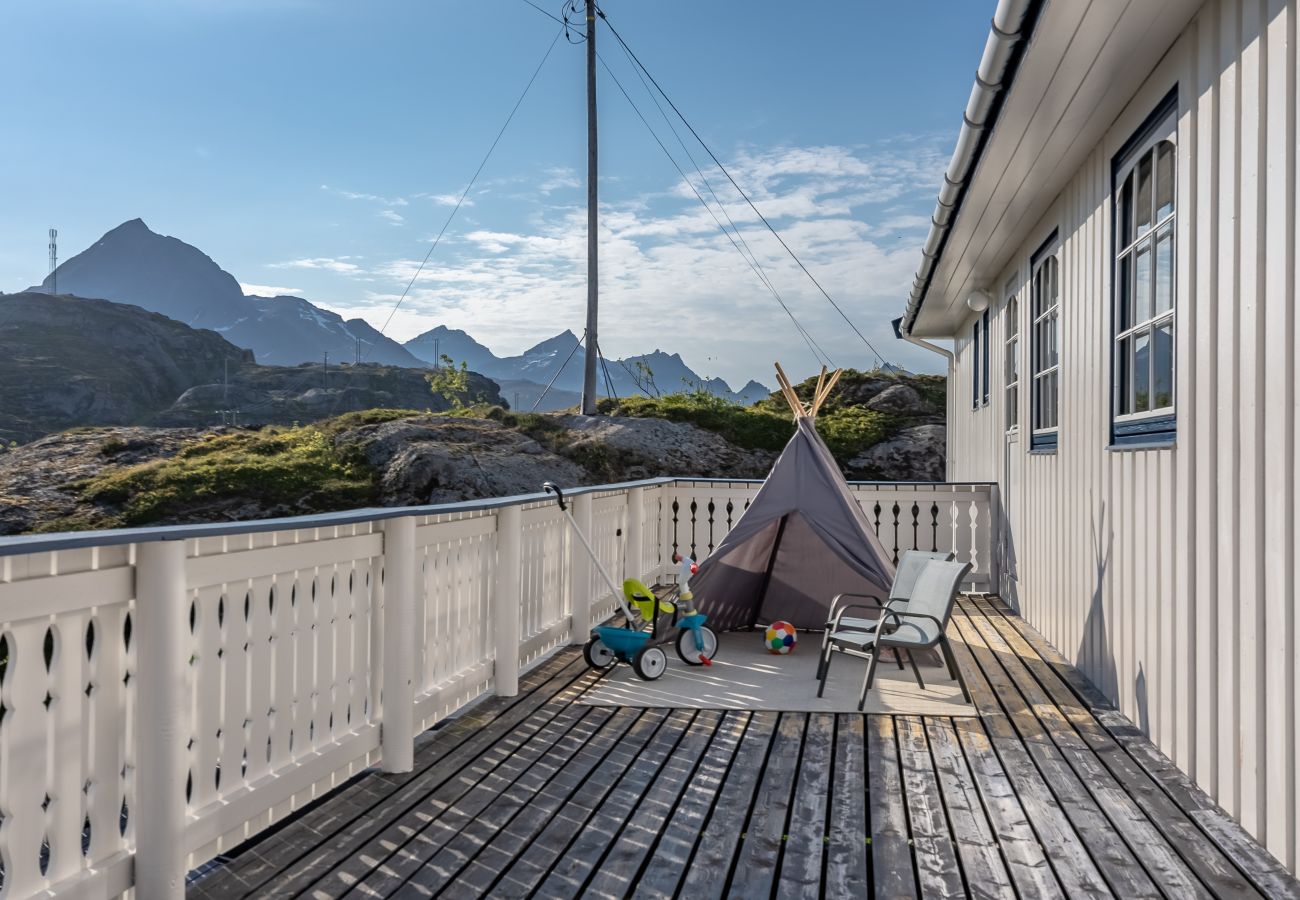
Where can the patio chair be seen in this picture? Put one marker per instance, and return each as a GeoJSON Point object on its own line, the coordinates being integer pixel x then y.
{"type": "Point", "coordinates": [921, 626]}
{"type": "Point", "coordinates": [910, 564]}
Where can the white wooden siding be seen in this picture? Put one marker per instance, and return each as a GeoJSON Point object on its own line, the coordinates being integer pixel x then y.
{"type": "Point", "coordinates": [1169, 575]}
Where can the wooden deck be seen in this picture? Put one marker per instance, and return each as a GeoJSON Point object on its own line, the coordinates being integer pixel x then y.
{"type": "Point", "coordinates": [1049, 792]}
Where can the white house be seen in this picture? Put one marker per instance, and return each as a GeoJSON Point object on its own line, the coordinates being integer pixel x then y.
{"type": "Point", "coordinates": [1113, 258]}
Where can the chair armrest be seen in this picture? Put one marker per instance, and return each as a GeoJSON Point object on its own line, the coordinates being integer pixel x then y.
{"type": "Point", "coordinates": [896, 614]}
{"type": "Point", "coordinates": [834, 623]}
{"type": "Point", "coordinates": [835, 602]}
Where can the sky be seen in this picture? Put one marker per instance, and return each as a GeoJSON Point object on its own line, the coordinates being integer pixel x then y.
{"type": "Point", "coordinates": [317, 148]}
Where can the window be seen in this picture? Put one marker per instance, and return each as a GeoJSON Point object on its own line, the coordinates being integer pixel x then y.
{"type": "Point", "coordinates": [1011, 354]}
{"type": "Point", "coordinates": [984, 363]}
{"type": "Point", "coordinates": [975, 366]}
{"type": "Point", "coordinates": [1143, 312]}
{"type": "Point", "coordinates": [1045, 338]}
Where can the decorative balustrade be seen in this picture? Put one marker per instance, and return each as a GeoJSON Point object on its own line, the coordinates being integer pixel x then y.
{"type": "Point", "coordinates": [167, 693]}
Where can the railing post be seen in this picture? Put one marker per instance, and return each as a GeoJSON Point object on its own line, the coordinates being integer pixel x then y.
{"type": "Point", "coordinates": [580, 573]}
{"type": "Point", "coordinates": [162, 730]}
{"type": "Point", "coordinates": [633, 534]}
{"type": "Point", "coordinates": [397, 731]}
{"type": "Point", "coordinates": [996, 540]}
{"type": "Point", "coordinates": [507, 598]}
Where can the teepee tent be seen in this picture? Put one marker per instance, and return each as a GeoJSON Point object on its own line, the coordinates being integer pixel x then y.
{"type": "Point", "coordinates": [802, 540]}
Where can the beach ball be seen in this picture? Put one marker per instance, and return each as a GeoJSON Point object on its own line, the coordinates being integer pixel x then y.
{"type": "Point", "coordinates": [780, 637]}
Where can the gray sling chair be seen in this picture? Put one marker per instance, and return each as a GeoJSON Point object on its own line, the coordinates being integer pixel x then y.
{"type": "Point", "coordinates": [910, 564]}
{"type": "Point", "coordinates": [921, 626]}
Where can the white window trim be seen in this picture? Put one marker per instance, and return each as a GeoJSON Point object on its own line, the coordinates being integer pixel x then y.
{"type": "Point", "coordinates": [1010, 348]}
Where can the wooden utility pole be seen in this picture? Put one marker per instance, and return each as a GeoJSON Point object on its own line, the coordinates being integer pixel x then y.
{"type": "Point", "coordinates": [593, 290]}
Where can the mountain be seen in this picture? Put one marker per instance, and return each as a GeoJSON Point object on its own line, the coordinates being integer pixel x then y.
{"type": "Point", "coordinates": [132, 264]}
{"type": "Point", "coordinates": [68, 361]}
{"type": "Point", "coordinates": [527, 373]}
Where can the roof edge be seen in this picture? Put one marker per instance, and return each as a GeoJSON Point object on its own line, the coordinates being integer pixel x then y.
{"type": "Point", "coordinates": [1009, 36]}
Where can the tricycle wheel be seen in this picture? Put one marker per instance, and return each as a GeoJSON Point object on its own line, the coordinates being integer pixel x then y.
{"type": "Point", "coordinates": [687, 647]}
{"type": "Point", "coordinates": [649, 663]}
{"type": "Point", "coordinates": [597, 654]}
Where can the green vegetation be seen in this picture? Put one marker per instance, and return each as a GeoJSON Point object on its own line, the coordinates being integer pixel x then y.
{"type": "Point", "coordinates": [298, 469]}
{"type": "Point", "coordinates": [752, 427]}
{"type": "Point", "coordinates": [449, 382]}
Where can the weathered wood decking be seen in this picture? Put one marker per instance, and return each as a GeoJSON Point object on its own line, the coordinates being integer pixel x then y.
{"type": "Point", "coordinates": [1049, 793]}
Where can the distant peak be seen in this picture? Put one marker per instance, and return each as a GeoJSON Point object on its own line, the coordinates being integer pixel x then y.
{"type": "Point", "coordinates": [132, 225]}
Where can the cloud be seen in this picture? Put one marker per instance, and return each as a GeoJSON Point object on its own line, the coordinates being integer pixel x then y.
{"type": "Point", "coordinates": [372, 198]}
{"type": "Point", "coordinates": [446, 199]}
{"type": "Point", "coordinates": [267, 290]}
{"type": "Point", "coordinates": [390, 216]}
{"type": "Point", "coordinates": [669, 276]}
{"type": "Point", "coordinates": [339, 265]}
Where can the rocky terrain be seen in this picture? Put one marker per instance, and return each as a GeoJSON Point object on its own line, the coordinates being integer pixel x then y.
{"type": "Point", "coordinates": [68, 361]}
{"type": "Point", "coordinates": [879, 426]}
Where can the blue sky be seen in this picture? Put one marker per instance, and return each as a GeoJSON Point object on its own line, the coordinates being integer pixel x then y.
{"type": "Point", "coordinates": [313, 146]}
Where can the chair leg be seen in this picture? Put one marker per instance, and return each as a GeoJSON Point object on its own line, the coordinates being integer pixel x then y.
{"type": "Point", "coordinates": [825, 670]}
{"type": "Point", "coordinates": [898, 657]}
{"type": "Point", "coordinates": [953, 668]}
{"type": "Point", "coordinates": [821, 660]}
{"type": "Point", "coordinates": [866, 682]}
{"type": "Point", "coordinates": [911, 658]}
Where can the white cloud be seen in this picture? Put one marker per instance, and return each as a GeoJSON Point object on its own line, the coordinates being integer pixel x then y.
{"type": "Point", "coordinates": [339, 265]}
{"type": "Point", "coordinates": [390, 216]}
{"type": "Point", "coordinates": [267, 290]}
{"type": "Point", "coordinates": [372, 198]}
{"type": "Point", "coordinates": [671, 279]}
{"type": "Point", "coordinates": [446, 199]}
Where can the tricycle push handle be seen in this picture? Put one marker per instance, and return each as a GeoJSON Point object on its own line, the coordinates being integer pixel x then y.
{"type": "Point", "coordinates": [553, 488]}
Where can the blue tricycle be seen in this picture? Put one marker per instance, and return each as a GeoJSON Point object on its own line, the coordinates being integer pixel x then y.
{"type": "Point", "coordinates": [631, 642]}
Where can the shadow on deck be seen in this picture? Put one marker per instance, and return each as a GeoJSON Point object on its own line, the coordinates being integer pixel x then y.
{"type": "Point", "coordinates": [1050, 792]}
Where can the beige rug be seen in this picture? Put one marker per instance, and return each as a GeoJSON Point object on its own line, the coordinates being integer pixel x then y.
{"type": "Point", "coordinates": [745, 676]}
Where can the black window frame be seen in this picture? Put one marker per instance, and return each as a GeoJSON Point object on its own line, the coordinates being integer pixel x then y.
{"type": "Point", "coordinates": [1148, 430]}
{"type": "Point", "coordinates": [975, 365]}
{"type": "Point", "coordinates": [986, 357]}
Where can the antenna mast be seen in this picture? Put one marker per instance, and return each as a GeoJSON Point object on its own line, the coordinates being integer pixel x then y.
{"type": "Point", "coordinates": [593, 291]}
{"type": "Point", "coordinates": [54, 261]}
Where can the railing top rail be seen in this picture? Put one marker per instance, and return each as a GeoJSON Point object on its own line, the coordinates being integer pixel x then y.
{"type": "Point", "coordinates": [45, 543]}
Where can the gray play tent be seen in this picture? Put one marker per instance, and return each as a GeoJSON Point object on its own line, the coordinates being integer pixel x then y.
{"type": "Point", "coordinates": [802, 541]}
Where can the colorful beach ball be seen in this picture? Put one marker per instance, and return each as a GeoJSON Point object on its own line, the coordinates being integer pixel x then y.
{"type": "Point", "coordinates": [780, 637]}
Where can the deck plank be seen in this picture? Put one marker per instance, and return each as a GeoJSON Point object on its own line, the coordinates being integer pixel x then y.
{"type": "Point", "coordinates": [1250, 859]}
{"type": "Point", "coordinates": [1125, 816]}
{"type": "Point", "coordinates": [763, 838]}
{"type": "Point", "coordinates": [805, 841]}
{"type": "Point", "coordinates": [710, 867]}
{"type": "Point", "coordinates": [891, 853]}
{"type": "Point", "coordinates": [1201, 855]}
{"type": "Point", "coordinates": [1050, 792]}
{"type": "Point", "coordinates": [616, 874]}
{"type": "Point", "coordinates": [676, 842]}
{"type": "Point", "coordinates": [937, 869]}
{"type": "Point", "coordinates": [846, 842]}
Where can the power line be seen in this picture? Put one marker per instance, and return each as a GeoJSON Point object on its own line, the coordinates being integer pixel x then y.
{"type": "Point", "coordinates": [798, 326]}
{"type": "Point", "coordinates": [547, 390]}
{"type": "Point", "coordinates": [738, 188]}
{"type": "Point", "coordinates": [757, 266]}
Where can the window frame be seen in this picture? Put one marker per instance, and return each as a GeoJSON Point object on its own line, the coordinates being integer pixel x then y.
{"type": "Point", "coordinates": [985, 361]}
{"type": "Point", "coordinates": [1044, 439]}
{"type": "Point", "coordinates": [1151, 426]}
{"type": "Point", "coordinates": [975, 366]}
{"type": "Point", "coordinates": [1011, 353]}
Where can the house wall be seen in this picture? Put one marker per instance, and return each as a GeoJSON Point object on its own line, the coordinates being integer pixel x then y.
{"type": "Point", "coordinates": [1169, 574]}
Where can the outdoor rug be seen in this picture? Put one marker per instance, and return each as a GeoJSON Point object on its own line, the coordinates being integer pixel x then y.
{"type": "Point", "coordinates": [745, 676]}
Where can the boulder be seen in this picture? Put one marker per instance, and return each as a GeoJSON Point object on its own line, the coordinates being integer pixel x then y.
{"type": "Point", "coordinates": [629, 448]}
{"type": "Point", "coordinates": [436, 459]}
{"type": "Point", "coordinates": [900, 399]}
{"type": "Point", "coordinates": [912, 454]}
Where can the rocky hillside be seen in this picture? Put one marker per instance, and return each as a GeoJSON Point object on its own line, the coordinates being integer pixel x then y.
{"type": "Point", "coordinates": [133, 264]}
{"type": "Point", "coordinates": [878, 426]}
{"type": "Point", "coordinates": [67, 361]}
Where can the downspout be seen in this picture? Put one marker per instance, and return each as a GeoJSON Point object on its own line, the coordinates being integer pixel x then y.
{"type": "Point", "coordinates": [933, 348]}
{"type": "Point", "coordinates": [1012, 21]}
{"type": "Point", "coordinates": [950, 363]}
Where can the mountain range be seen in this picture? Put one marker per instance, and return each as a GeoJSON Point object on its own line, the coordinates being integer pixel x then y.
{"type": "Point", "coordinates": [133, 264]}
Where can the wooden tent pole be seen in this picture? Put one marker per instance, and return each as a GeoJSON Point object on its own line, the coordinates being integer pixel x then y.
{"type": "Point", "coordinates": [787, 390]}
{"type": "Point", "coordinates": [825, 392]}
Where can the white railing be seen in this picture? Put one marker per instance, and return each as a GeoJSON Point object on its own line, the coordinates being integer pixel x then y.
{"type": "Point", "coordinates": [165, 694]}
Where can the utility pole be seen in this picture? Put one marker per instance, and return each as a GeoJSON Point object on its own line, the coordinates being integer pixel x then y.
{"type": "Point", "coordinates": [54, 261]}
{"type": "Point", "coordinates": [225, 381]}
{"type": "Point", "coordinates": [437, 360]}
{"type": "Point", "coordinates": [325, 376]}
{"type": "Point", "coordinates": [358, 362]}
{"type": "Point", "coordinates": [589, 360]}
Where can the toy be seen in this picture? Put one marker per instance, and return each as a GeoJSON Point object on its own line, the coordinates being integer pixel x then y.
{"type": "Point", "coordinates": [610, 644]}
{"type": "Point", "coordinates": [780, 638]}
